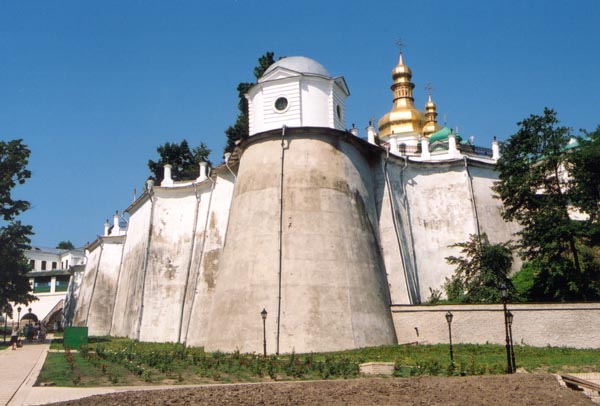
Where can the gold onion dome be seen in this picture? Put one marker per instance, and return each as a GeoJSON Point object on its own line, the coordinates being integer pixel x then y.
{"type": "Point", "coordinates": [404, 118]}
{"type": "Point", "coordinates": [431, 124]}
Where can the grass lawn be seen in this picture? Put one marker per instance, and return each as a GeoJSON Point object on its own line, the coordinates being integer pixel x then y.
{"type": "Point", "coordinates": [118, 361]}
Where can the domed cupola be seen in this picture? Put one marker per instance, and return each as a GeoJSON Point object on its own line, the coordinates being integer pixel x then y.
{"type": "Point", "coordinates": [431, 114]}
{"type": "Point", "coordinates": [404, 117]}
{"type": "Point", "coordinates": [297, 92]}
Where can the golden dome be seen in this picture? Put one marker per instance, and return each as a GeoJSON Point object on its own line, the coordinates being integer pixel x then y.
{"type": "Point", "coordinates": [431, 124]}
{"type": "Point", "coordinates": [404, 117]}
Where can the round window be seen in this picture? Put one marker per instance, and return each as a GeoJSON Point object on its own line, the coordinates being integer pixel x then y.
{"type": "Point", "coordinates": [281, 104]}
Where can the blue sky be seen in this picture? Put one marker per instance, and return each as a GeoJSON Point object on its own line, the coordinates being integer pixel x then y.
{"type": "Point", "coordinates": [94, 87]}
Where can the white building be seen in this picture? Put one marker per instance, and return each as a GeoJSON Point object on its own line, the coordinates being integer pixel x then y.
{"type": "Point", "coordinates": [49, 278]}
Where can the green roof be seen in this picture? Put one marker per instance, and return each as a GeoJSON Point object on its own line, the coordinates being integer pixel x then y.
{"type": "Point", "coordinates": [442, 135]}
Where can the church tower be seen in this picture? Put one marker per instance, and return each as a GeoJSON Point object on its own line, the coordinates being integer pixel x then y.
{"type": "Point", "coordinates": [301, 240]}
{"type": "Point", "coordinates": [297, 92]}
{"type": "Point", "coordinates": [404, 122]}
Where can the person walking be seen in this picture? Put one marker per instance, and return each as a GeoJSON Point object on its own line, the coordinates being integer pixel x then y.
{"type": "Point", "coordinates": [14, 337]}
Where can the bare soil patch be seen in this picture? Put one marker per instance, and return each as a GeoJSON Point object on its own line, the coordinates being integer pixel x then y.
{"type": "Point", "coordinates": [500, 390]}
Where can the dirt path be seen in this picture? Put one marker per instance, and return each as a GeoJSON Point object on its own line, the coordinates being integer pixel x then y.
{"type": "Point", "coordinates": [502, 390]}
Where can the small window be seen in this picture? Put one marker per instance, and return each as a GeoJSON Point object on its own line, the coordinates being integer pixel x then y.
{"type": "Point", "coordinates": [32, 263]}
{"type": "Point", "coordinates": [338, 110]}
{"type": "Point", "coordinates": [54, 265]}
{"type": "Point", "coordinates": [43, 265]}
{"type": "Point", "coordinates": [281, 104]}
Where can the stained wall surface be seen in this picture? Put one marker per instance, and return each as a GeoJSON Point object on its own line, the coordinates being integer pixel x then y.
{"type": "Point", "coordinates": [128, 301]}
{"type": "Point", "coordinates": [102, 298]}
{"type": "Point", "coordinates": [86, 289]}
{"type": "Point", "coordinates": [213, 216]}
{"type": "Point", "coordinates": [333, 294]}
{"type": "Point", "coordinates": [168, 263]}
{"type": "Point", "coordinates": [359, 231]}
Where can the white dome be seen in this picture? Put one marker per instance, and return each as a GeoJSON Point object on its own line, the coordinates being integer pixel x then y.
{"type": "Point", "coordinates": [300, 64]}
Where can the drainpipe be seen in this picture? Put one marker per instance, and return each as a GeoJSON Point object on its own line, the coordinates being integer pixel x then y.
{"type": "Point", "coordinates": [408, 283]}
{"type": "Point", "coordinates": [189, 266]}
{"type": "Point", "coordinates": [280, 237]}
{"type": "Point", "coordinates": [472, 192]}
{"type": "Point", "coordinates": [187, 329]}
{"type": "Point", "coordinates": [145, 267]}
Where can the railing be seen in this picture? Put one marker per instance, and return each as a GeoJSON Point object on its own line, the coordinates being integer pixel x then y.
{"type": "Point", "coordinates": [475, 150]}
{"type": "Point", "coordinates": [61, 288]}
{"type": "Point", "coordinates": [41, 289]}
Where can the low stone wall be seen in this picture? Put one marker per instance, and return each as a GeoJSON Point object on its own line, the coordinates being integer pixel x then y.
{"type": "Point", "coordinates": [561, 325]}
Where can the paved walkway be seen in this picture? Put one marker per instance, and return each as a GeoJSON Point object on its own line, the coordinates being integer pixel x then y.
{"type": "Point", "coordinates": [20, 369]}
{"type": "Point", "coordinates": [17, 365]}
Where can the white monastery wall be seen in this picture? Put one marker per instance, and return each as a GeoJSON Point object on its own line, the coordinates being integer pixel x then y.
{"type": "Point", "coordinates": [331, 273]}
{"type": "Point", "coordinates": [441, 214]}
{"type": "Point", "coordinates": [130, 284]}
{"type": "Point", "coordinates": [395, 230]}
{"type": "Point", "coordinates": [72, 297]}
{"type": "Point", "coordinates": [213, 216]}
{"type": "Point", "coordinates": [489, 209]}
{"type": "Point", "coordinates": [87, 286]}
{"type": "Point", "coordinates": [168, 263]}
{"type": "Point", "coordinates": [539, 325]}
{"type": "Point", "coordinates": [102, 298]}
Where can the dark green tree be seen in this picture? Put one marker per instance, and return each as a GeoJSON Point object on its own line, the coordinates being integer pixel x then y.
{"type": "Point", "coordinates": [480, 271]}
{"type": "Point", "coordinates": [65, 245]}
{"type": "Point", "coordinates": [184, 161]}
{"type": "Point", "coordinates": [14, 236]}
{"type": "Point", "coordinates": [584, 185]}
{"type": "Point", "coordinates": [536, 193]}
{"type": "Point", "coordinates": [240, 130]}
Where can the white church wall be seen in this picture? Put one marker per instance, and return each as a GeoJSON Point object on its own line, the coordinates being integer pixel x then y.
{"type": "Point", "coordinates": [131, 274]}
{"type": "Point", "coordinates": [86, 288]}
{"type": "Point", "coordinates": [489, 209]}
{"type": "Point", "coordinates": [338, 98]}
{"type": "Point", "coordinates": [213, 216]}
{"type": "Point", "coordinates": [104, 288]}
{"type": "Point", "coordinates": [441, 214]}
{"type": "Point", "coordinates": [168, 263]}
{"type": "Point", "coordinates": [332, 272]}
{"type": "Point", "coordinates": [316, 105]}
{"type": "Point", "coordinates": [73, 297]}
{"type": "Point", "coordinates": [395, 237]}
{"type": "Point", "coordinates": [290, 116]}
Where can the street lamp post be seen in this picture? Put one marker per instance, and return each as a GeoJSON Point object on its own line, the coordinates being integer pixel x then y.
{"type": "Point", "coordinates": [263, 314]}
{"type": "Point", "coordinates": [18, 317]}
{"type": "Point", "coordinates": [5, 317]}
{"type": "Point", "coordinates": [449, 317]}
{"type": "Point", "coordinates": [504, 293]}
{"type": "Point", "coordinates": [509, 317]}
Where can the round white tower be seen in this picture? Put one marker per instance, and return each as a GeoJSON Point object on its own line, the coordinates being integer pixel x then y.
{"type": "Point", "coordinates": [302, 234]}
{"type": "Point", "coordinates": [297, 92]}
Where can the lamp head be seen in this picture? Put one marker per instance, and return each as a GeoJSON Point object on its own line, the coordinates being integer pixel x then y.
{"type": "Point", "coordinates": [449, 317]}
{"type": "Point", "coordinates": [263, 314]}
{"type": "Point", "coordinates": [504, 291]}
